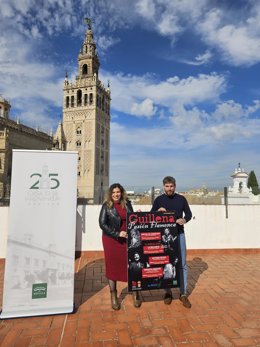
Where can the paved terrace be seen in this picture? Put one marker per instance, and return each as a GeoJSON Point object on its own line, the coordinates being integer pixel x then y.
{"type": "Point", "coordinates": [224, 291]}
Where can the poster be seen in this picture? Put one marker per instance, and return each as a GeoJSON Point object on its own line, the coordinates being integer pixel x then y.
{"type": "Point", "coordinates": [39, 268]}
{"type": "Point", "coordinates": [153, 259]}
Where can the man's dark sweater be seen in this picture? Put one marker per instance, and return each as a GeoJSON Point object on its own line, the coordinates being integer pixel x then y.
{"type": "Point", "coordinates": [176, 203]}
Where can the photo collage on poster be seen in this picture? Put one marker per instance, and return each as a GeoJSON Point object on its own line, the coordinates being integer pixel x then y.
{"type": "Point", "coordinates": [153, 258]}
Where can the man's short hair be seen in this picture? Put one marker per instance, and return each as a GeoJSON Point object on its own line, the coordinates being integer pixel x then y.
{"type": "Point", "coordinates": [169, 179]}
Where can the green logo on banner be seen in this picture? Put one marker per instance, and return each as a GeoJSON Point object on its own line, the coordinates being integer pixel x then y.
{"type": "Point", "coordinates": [39, 290]}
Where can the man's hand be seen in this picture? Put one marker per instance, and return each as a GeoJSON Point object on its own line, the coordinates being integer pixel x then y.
{"type": "Point", "coordinates": [181, 221]}
{"type": "Point", "coordinates": [161, 209]}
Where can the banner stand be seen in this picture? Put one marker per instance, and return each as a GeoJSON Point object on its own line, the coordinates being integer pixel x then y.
{"type": "Point", "coordinates": [39, 268]}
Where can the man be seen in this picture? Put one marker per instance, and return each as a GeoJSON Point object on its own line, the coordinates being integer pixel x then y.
{"type": "Point", "coordinates": [136, 267]}
{"type": "Point", "coordinates": [168, 240]}
{"type": "Point", "coordinates": [171, 201]}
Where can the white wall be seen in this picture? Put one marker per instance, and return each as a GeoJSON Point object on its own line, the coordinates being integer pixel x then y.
{"type": "Point", "coordinates": [209, 228]}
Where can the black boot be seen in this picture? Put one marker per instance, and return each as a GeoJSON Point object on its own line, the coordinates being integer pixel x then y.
{"type": "Point", "coordinates": [114, 301]}
{"type": "Point", "coordinates": [136, 299]}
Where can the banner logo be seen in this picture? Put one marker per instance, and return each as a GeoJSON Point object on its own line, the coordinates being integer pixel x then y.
{"type": "Point", "coordinates": [45, 180]}
{"type": "Point", "coordinates": [39, 290]}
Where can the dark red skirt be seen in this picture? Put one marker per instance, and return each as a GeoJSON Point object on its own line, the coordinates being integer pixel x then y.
{"type": "Point", "coordinates": [115, 258]}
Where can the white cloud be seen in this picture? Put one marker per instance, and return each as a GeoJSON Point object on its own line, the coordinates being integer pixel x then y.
{"type": "Point", "coordinates": [233, 32]}
{"type": "Point", "coordinates": [191, 129]}
{"type": "Point", "coordinates": [104, 42]}
{"type": "Point", "coordinates": [200, 59]}
{"type": "Point", "coordinates": [146, 8]}
{"type": "Point", "coordinates": [129, 91]}
{"type": "Point", "coordinates": [145, 108]}
{"type": "Point", "coordinates": [204, 153]}
{"type": "Point", "coordinates": [239, 43]}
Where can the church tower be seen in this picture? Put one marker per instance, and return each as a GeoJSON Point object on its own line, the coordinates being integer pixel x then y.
{"type": "Point", "coordinates": [86, 123]}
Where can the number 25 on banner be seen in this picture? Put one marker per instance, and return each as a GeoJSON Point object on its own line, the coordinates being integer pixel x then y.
{"type": "Point", "coordinates": [45, 182]}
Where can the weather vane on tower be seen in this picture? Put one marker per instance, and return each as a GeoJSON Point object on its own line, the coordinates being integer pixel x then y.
{"type": "Point", "coordinates": [88, 21]}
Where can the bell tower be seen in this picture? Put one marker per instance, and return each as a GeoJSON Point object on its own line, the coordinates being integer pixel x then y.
{"type": "Point", "coordinates": [86, 122]}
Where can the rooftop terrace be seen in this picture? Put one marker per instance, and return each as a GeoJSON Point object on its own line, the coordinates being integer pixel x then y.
{"type": "Point", "coordinates": [224, 291]}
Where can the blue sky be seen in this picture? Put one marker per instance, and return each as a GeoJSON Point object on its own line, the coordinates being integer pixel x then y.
{"type": "Point", "coordinates": [184, 80]}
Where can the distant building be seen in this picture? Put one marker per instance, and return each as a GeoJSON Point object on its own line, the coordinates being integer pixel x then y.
{"type": "Point", "coordinates": [86, 123]}
{"type": "Point", "coordinates": [14, 135]}
{"type": "Point", "coordinates": [239, 193]}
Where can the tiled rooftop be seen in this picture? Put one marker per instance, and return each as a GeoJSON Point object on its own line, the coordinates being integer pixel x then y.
{"type": "Point", "coordinates": [224, 292]}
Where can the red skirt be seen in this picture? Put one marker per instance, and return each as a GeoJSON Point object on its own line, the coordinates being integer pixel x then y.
{"type": "Point", "coordinates": [115, 258]}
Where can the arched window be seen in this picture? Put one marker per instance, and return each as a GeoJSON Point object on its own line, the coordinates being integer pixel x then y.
{"type": "Point", "coordinates": [79, 97]}
{"type": "Point", "coordinates": [90, 98]}
{"type": "Point", "coordinates": [85, 99]}
{"type": "Point", "coordinates": [72, 101]}
{"type": "Point", "coordinates": [67, 101]}
{"type": "Point", "coordinates": [78, 143]}
{"type": "Point", "coordinates": [85, 69]}
{"type": "Point", "coordinates": [78, 131]}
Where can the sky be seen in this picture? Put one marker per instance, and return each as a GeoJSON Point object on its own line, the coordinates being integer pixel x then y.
{"type": "Point", "coordinates": [184, 80]}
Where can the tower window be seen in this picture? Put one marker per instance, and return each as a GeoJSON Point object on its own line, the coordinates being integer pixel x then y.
{"type": "Point", "coordinates": [90, 98]}
{"type": "Point", "coordinates": [85, 99]}
{"type": "Point", "coordinates": [78, 143]}
{"type": "Point", "coordinates": [72, 101]}
{"type": "Point", "coordinates": [67, 101]}
{"type": "Point", "coordinates": [85, 69]}
{"type": "Point", "coordinates": [79, 97]}
{"type": "Point", "coordinates": [78, 131]}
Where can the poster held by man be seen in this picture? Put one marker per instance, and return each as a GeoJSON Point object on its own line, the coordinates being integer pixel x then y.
{"type": "Point", "coordinates": [39, 268]}
{"type": "Point", "coordinates": [153, 254]}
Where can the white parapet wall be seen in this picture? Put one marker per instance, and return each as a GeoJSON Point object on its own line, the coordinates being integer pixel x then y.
{"type": "Point", "coordinates": [208, 229]}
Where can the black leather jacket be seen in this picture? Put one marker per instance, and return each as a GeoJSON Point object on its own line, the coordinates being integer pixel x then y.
{"type": "Point", "coordinates": [110, 221]}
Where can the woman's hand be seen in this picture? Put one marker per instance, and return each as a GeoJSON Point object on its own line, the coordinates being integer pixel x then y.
{"type": "Point", "coordinates": [123, 234]}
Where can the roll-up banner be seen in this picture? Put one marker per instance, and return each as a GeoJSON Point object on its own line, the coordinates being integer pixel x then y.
{"type": "Point", "coordinates": [153, 251]}
{"type": "Point", "coordinates": [39, 268]}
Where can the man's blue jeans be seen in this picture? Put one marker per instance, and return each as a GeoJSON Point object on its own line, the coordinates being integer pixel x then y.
{"type": "Point", "coordinates": [183, 264]}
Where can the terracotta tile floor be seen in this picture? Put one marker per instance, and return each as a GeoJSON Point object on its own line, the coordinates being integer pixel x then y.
{"type": "Point", "coordinates": [224, 291]}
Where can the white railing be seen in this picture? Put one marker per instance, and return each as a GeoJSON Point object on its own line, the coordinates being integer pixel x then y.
{"type": "Point", "coordinates": [209, 228]}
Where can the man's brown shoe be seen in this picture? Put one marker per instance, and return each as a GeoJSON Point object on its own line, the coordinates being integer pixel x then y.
{"type": "Point", "coordinates": [167, 298]}
{"type": "Point", "coordinates": [185, 301]}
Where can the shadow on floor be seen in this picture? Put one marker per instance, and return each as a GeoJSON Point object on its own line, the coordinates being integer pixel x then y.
{"type": "Point", "coordinates": [196, 267]}
{"type": "Point", "coordinates": [91, 279]}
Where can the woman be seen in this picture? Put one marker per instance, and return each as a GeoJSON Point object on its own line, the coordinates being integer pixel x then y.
{"type": "Point", "coordinates": [112, 221]}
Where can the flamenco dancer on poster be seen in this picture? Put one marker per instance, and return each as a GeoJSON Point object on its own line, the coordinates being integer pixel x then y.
{"type": "Point", "coordinates": [171, 201]}
{"type": "Point", "coordinates": [112, 221]}
{"type": "Point", "coordinates": [135, 238]}
{"type": "Point", "coordinates": [168, 240]}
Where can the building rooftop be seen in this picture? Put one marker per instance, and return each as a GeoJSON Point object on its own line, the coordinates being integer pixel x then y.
{"type": "Point", "coordinates": [224, 292]}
